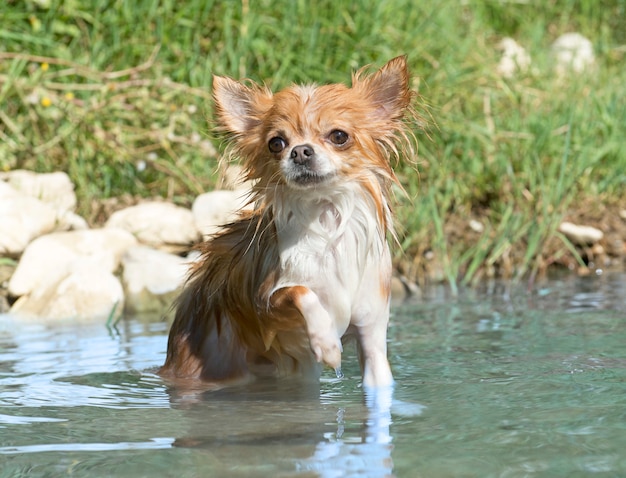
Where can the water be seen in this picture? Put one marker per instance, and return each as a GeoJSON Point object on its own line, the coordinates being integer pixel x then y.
{"type": "Point", "coordinates": [497, 382]}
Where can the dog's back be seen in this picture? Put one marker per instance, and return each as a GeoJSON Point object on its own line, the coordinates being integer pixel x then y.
{"type": "Point", "coordinates": [223, 330]}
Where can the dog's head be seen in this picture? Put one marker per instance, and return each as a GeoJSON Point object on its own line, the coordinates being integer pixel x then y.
{"type": "Point", "coordinates": [311, 136]}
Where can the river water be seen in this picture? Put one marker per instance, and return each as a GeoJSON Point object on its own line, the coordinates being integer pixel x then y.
{"type": "Point", "coordinates": [498, 381]}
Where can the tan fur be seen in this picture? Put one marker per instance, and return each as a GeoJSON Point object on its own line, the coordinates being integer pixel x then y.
{"type": "Point", "coordinates": [255, 302]}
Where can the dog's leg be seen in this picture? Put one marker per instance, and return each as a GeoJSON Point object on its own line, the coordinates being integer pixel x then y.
{"type": "Point", "coordinates": [373, 354]}
{"type": "Point", "coordinates": [321, 329]}
{"type": "Point", "coordinates": [370, 318]}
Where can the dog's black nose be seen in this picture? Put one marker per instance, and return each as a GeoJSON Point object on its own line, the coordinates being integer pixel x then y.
{"type": "Point", "coordinates": [302, 154]}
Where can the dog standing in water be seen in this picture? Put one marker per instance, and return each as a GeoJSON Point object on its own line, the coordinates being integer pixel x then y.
{"type": "Point", "coordinates": [275, 291]}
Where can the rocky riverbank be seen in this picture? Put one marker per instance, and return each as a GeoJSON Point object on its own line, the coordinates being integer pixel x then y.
{"type": "Point", "coordinates": [55, 266]}
{"type": "Point", "coordinates": [134, 260]}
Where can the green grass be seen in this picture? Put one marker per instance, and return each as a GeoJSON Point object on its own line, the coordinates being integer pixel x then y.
{"type": "Point", "coordinates": [102, 88]}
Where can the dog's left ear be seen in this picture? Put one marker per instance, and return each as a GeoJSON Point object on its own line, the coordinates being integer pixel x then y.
{"type": "Point", "coordinates": [388, 88]}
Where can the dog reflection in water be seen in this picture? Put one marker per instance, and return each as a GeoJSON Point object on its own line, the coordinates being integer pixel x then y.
{"type": "Point", "coordinates": [285, 425]}
{"type": "Point", "coordinates": [371, 456]}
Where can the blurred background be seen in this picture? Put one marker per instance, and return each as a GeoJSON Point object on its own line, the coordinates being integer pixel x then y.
{"type": "Point", "coordinates": [523, 129]}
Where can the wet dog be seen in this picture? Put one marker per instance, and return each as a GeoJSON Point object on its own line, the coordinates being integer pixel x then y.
{"type": "Point", "coordinates": [308, 264]}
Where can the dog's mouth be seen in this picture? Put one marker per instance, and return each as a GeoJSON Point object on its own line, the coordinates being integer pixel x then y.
{"type": "Point", "coordinates": [308, 178]}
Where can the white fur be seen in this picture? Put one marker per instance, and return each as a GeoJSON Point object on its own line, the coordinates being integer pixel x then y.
{"type": "Point", "coordinates": [331, 242]}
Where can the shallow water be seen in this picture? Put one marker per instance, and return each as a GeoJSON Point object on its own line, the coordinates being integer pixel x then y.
{"type": "Point", "coordinates": [498, 382]}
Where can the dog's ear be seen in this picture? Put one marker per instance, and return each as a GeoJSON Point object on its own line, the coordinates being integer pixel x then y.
{"type": "Point", "coordinates": [239, 107]}
{"type": "Point", "coordinates": [387, 89]}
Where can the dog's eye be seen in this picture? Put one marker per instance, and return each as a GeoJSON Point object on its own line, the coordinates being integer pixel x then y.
{"type": "Point", "coordinates": [338, 137]}
{"type": "Point", "coordinates": [277, 144]}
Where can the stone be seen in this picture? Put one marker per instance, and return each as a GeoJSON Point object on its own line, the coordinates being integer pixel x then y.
{"type": "Point", "coordinates": [151, 279]}
{"type": "Point", "coordinates": [476, 226]}
{"type": "Point", "coordinates": [7, 267]}
{"type": "Point", "coordinates": [55, 188]}
{"type": "Point", "coordinates": [514, 58]}
{"type": "Point", "coordinates": [70, 221]}
{"type": "Point", "coordinates": [398, 291]}
{"type": "Point", "coordinates": [89, 292]}
{"type": "Point", "coordinates": [581, 235]}
{"type": "Point", "coordinates": [22, 218]}
{"type": "Point", "coordinates": [402, 289]}
{"type": "Point", "coordinates": [572, 53]}
{"type": "Point", "coordinates": [52, 257]}
{"type": "Point", "coordinates": [158, 224]}
{"type": "Point", "coordinates": [216, 208]}
{"type": "Point", "coordinates": [233, 178]}
{"type": "Point", "coordinates": [6, 190]}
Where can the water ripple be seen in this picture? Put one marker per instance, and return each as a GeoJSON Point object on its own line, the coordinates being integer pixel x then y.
{"type": "Point", "coordinates": [152, 444]}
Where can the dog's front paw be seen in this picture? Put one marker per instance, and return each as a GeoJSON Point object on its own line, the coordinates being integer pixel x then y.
{"type": "Point", "coordinates": [326, 348]}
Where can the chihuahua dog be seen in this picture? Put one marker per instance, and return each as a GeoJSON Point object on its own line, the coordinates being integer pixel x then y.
{"type": "Point", "coordinates": [308, 264]}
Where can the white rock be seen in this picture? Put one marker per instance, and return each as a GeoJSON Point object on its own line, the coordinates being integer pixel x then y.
{"type": "Point", "coordinates": [233, 178]}
{"type": "Point", "coordinates": [152, 278]}
{"type": "Point", "coordinates": [572, 53]}
{"type": "Point", "coordinates": [216, 208]}
{"type": "Point", "coordinates": [514, 58]}
{"type": "Point", "coordinates": [50, 258]}
{"type": "Point", "coordinates": [476, 226]}
{"type": "Point", "coordinates": [55, 189]}
{"type": "Point", "coordinates": [581, 235]}
{"type": "Point", "coordinates": [87, 293]}
{"type": "Point", "coordinates": [7, 191]}
{"type": "Point", "coordinates": [22, 218]}
{"type": "Point", "coordinates": [157, 224]}
{"type": "Point", "coordinates": [71, 221]}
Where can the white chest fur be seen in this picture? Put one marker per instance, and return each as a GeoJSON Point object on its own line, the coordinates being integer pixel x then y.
{"type": "Point", "coordinates": [329, 241]}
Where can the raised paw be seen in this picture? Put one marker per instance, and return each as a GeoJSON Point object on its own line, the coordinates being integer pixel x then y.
{"type": "Point", "coordinates": [326, 348]}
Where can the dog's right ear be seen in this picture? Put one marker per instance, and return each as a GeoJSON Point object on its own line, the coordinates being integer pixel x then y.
{"type": "Point", "coordinates": [239, 107]}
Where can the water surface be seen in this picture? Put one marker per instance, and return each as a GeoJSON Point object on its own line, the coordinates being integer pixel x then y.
{"type": "Point", "coordinates": [497, 382]}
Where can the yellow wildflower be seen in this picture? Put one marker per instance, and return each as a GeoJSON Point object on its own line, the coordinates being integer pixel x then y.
{"type": "Point", "coordinates": [35, 23]}
{"type": "Point", "coordinates": [45, 101]}
{"type": "Point", "coordinates": [44, 66]}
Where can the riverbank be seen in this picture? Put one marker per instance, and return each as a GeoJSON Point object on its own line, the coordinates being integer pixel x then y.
{"type": "Point", "coordinates": [424, 264]}
{"type": "Point", "coordinates": [523, 119]}
{"type": "Point", "coordinates": [131, 255]}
